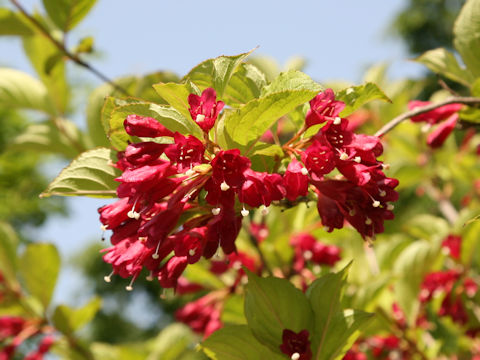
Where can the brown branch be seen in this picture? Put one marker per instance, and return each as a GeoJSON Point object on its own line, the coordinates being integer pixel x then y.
{"type": "Point", "coordinates": [421, 110]}
{"type": "Point", "coordinates": [60, 46]}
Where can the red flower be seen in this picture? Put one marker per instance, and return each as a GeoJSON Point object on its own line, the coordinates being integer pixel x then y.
{"type": "Point", "coordinates": [205, 109]}
{"type": "Point", "coordinates": [323, 107]}
{"type": "Point", "coordinates": [433, 116]}
{"type": "Point", "coordinates": [187, 151]}
{"type": "Point", "coordinates": [452, 244]}
{"type": "Point", "coordinates": [144, 152]}
{"type": "Point", "coordinates": [295, 180]}
{"type": "Point", "coordinates": [202, 315]}
{"type": "Point", "coordinates": [296, 345]}
{"type": "Point", "coordinates": [143, 126]}
{"type": "Point", "coordinates": [307, 248]}
{"type": "Point", "coordinates": [171, 271]}
{"type": "Point", "coordinates": [318, 159]}
{"type": "Point", "coordinates": [438, 136]}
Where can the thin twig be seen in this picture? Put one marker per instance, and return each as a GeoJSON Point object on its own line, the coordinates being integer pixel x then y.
{"type": "Point", "coordinates": [421, 110]}
{"type": "Point", "coordinates": [65, 51]}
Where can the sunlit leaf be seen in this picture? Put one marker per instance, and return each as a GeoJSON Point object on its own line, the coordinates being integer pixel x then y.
{"type": "Point", "coordinates": [12, 23]}
{"type": "Point", "coordinates": [466, 33]}
{"type": "Point", "coordinates": [67, 13]}
{"type": "Point", "coordinates": [68, 320]}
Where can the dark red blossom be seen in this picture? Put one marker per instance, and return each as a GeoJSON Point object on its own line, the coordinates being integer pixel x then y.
{"type": "Point", "coordinates": [143, 153]}
{"type": "Point", "coordinates": [202, 315]}
{"type": "Point", "coordinates": [318, 159]}
{"type": "Point", "coordinates": [205, 108]}
{"type": "Point", "coordinates": [144, 126]}
{"type": "Point", "coordinates": [438, 136]}
{"type": "Point", "coordinates": [323, 107]}
{"type": "Point", "coordinates": [296, 345]}
{"type": "Point", "coordinates": [295, 180]}
{"type": "Point", "coordinates": [452, 245]}
{"type": "Point", "coordinates": [171, 271]}
{"type": "Point", "coordinates": [309, 249]}
{"type": "Point", "coordinates": [434, 116]}
{"type": "Point", "coordinates": [186, 151]}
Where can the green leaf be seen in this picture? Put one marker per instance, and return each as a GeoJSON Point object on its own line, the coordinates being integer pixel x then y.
{"type": "Point", "coordinates": [246, 125]}
{"type": "Point", "coordinates": [216, 72]}
{"type": "Point", "coordinates": [8, 251]}
{"type": "Point", "coordinates": [12, 23]}
{"type": "Point", "coordinates": [324, 295]}
{"type": "Point", "coordinates": [356, 96]}
{"type": "Point", "coordinates": [167, 116]}
{"type": "Point", "coordinates": [245, 85]}
{"type": "Point", "coordinates": [45, 137]}
{"type": "Point", "coordinates": [466, 33]}
{"type": "Point", "coordinates": [198, 274]}
{"type": "Point", "coordinates": [410, 267]}
{"type": "Point", "coordinates": [173, 343]}
{"type": "Point", "coordinates": [39, 266]}
{"type": "Point", "coordinates": [90, 174]}
{"type": "Point", "coordinates": [176, 95]}
{"type": "Point", "coordinates": [443, 62]}
{"type": "Point", "coordinates": [291, 80]}
{"type": "Point", "coordinates": [40, 51]}
{"type": "Point", "coordinates": [273, 305]}
{"type": "Point", "coordinates": [236, 342]}
{"type": "Point", "coordinates": [68, 320]}
{"type": "Point", "coordinates": [67, 13]}
{"type": "Point", "coordinates": [20, 90]}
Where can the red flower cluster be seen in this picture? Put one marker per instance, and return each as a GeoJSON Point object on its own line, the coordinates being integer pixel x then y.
{"type": "Point", "coordinates": [446, 115]}
{"type": "Point", "coordinates": [187, 198]}
{"type": "Point", "coordinates": [14, 331]}
{"type": "Point", "coordinates": [308, 249]}
{"type": "Point", "coordinates": [379, 347]}
{"type": "Point", "coordinates": [449, 283]}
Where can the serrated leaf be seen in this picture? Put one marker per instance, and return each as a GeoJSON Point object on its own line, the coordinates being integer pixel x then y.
{"type": "Point", "coordinates": [68, 320]}
{"type": "Point", "coordinates": [90, 174]}
{"type": "Point", "coordinates": [216, 72]}
{"type": "Point", "coordinates": [176, 95]}
{"type": "Point", "coordinates": [443, 62]}
{"type": "Point", "coordinates": [291, 80]}
{"type": "Point", "coordinates": [466, 31]}
{"type": "Point", "coordinates": [324, 296]}
{"type": "Point", "coordinates": [236, 342]}
{"type": "Point", "coordinates": [20, 90]}
{"type": "Point", "coordinates": [410, 267]}
{"type": "Point", "coordinates": [246, 125]}
{"type": "Point", "coordinates": [273, 305]}
{"type": "Point", "coordinates": [45, 137]}
{"type": "Point", "coordinates": [39, 266]}
{"type": "Point", "coordinates": [12, 23]}
{"type": "Point", "coordinates": [167, 116]}
{"type": "Point", "coordinates": [67, 13]}
{"type": "Point", "coordinates": [356, 96]}
{"type": "Point", "coordinates": [245, 85]}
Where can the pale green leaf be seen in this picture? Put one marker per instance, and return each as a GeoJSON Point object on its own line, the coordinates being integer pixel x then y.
{"type": "Point", "coordinates": [20, 90]}
{"type": "Point", "coordinates": [67, 13]}
{"type": "Point", "coordinates": [273, 305]}
{"type": "Point", "coordinates": [356, 96]}
{"type": "Point", "coordinates": [216, 72]}
{"type": "Point", "coordinates": [68, 320]}
{"type": "Point", "coordinates": [291, 80]}
{"type": "Point", "coordinates": [246, 125]}
{"type": "Point", "coordinates": [245, 85]}
{"type": "Point", "coordinates": [176, 95]}
{"type": "Point", "coordinates": [90, 174]}
{"type": "Point", "coordinates": [12, 23]}
{"type": "Point", "coordinates": [39, 267]}
{"type": "Point", "coordinates": [443, 62]}
{"type": "Point", "coordinates": [466, 33]}
{"type": "Point", "coordinates": [236, 342]}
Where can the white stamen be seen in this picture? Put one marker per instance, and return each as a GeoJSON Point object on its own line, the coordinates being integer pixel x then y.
{"type": "Point", "coordinates": [357, 159]}
{"type": "Point", "coordinates": [304, 171]}
{"type": "Point", "coordinates": [129, 287]}
{"type": "Point", "coordinates": [191, 252]}
{"type": "Point", "coordinates": [244, 212]}
{"type": "Point", "coordinates": [104, 227]}
{"type": "Point", "coordinates": [224, 186]}
{"type": "Point", "coordinates": [390, 207]}
{"type": "Point", "coordinates": [155, 256]}
{"type": "Point", "coordinates": [265, 210]}
{"type": "Point", "coordinates": [190, 172]}
{"type": "Point", "coordinates": [368, 221]}
{"type": "Point", "coordinates": [150, 277]}
{"type": "Point", "coordinates": [376, 203]}
{"type": "Point", "coordinates": [142, 238]}
{"type": "Point", "coordinates": [343, 156]}
{"type": "Point", "coordinates": [307, 255]}
{"type": "Point", "coordinates": [108, 278]}
{"type": "Point", "coordinates": [382, 193]}
{"type": "Point", "coordinates": [386, 166]}
{"type": "Point", "coordinates": [295, 356]}
{"type": "Point", "coordinates": [327, 228]}
{"type": "Point", "coordinates": [337, 121]}
{"type": "Point", "coordinates": [200, 118]}
{"type": "Point", "coordinates": [216, 211]}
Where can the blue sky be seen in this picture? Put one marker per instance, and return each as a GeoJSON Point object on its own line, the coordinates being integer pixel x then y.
{"type": "Point", "coordinates": [339, 40]}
